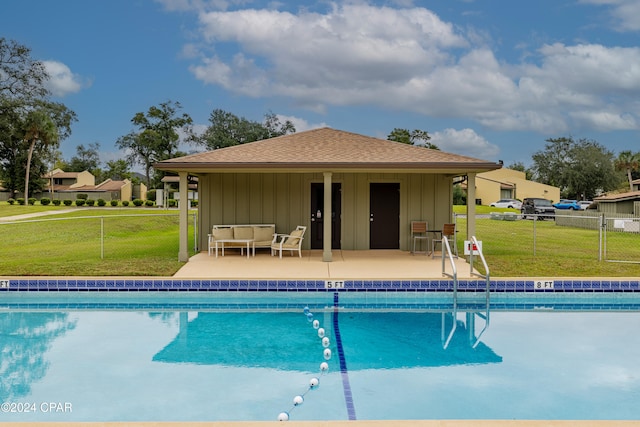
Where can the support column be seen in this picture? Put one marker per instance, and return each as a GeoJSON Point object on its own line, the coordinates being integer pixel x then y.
{"type": "Point", "coordinates": [183, 251]}
{"type": "Point", "coordinates": [327, 255]}
{"type": "Point", "coordinates": [471, 205]}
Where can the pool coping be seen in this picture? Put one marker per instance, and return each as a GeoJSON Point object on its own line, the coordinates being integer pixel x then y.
{"type": "Point", "coordinates": [171, 284]}
{"type": "Point", "coordinates": [358, 423]}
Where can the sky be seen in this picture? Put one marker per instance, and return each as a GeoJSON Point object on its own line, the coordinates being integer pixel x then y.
{"type": "Point", "coordinates": [491, 79]}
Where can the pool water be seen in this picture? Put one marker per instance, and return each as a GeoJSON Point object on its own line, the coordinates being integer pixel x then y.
{"type": "Point", "coordinates": [122, 363]}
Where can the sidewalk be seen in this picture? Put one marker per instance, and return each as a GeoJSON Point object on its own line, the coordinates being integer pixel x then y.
{"type": "Point", "coordinates": [35, 215]}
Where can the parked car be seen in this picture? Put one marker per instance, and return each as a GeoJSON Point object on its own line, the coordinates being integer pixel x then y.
{"type": "Point", "coordinates": [538, 206]}
{"type": "Point", "coordinates": [585, 204]}
{"type": "Point", "coordinates": [567, 204]}
{"type": "Point", "coordinates": [507, 203]}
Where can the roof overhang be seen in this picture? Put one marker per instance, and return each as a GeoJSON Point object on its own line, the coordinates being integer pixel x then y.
{"type": "Point", "coordinates": [204, 168]}
{"type": "Point", "coordinates": [324, 150]}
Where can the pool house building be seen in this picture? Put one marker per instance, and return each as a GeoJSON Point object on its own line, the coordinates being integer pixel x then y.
{"type": "Point", "coordinates": [351, 191]}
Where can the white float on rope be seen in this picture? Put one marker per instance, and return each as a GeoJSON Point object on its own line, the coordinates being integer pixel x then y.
{"type": "Point", "coordinates": [283, 416]}
{"type": "Point", "coordinates": [327, 353]}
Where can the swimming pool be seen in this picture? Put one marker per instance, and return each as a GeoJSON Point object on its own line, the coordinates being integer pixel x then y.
{"type": "Point", "coordinates": [236, 356]}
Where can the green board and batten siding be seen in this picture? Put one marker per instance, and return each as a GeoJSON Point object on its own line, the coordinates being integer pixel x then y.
{"type": "Point", "coordinates": [284, 199]}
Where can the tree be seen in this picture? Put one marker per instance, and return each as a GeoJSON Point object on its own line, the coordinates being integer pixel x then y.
{"type": "Point", "coordinates": [21, 77]}
{"type": "Point", "coordinates": [26, 117]}
{"type": "Point", "coordinates": [157, 137]}
{"type": "Point", "coordinates": [415, 137]}
{"type": "Point", "coordinates": [39, 129]}
{"type": "Point", "coordinates": [273, 127]}
{"type": "Point", "coordinates": [519, 166]}
{"type": "Point", "coordinates": [117, 170]}
{"type": "Point", "coordinates": [628, 162]}
{"type": "Point", "coordinates": [226, 129]}
{"type": "Point", "coordinates": [86, 158]}
{"type": "Point", "coordinates": [579, 168]}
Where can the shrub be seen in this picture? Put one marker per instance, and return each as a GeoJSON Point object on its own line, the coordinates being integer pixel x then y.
{"type": "Point", "coordinates": [151, 195]}
{"type": "Point", "coordinates": [67, 202]}
{"type": "Point", "coordinates": [149, 203]}
{"type": "Point", "coordinates": [32, 201]}
{"type": "Point", "coordinates": [172, 203]}
{"type": "Point", "coordinates": [101, 202]}
{"type": "Point", "coordinates": [114, 203]}
{"type": "Point", "coordinates": [125, 203]}
{"type": "Point", "coordinates": [90, 202]}
{"type": "Point", "coordinates": [82, 196]}
{"type": "Point", "coordinates": [20, 200]}
{"type": "Point", "coordinates": [11, 201]}
{"type": "Point", "coordinates": [45, 201]}
{"type": "Point", "coordinates": [138, 202]}
{"type": "Point", "coordinates": [80, 202]}
{"type": "Point", "coordinates": [56, 202]}
{"type": "Point", "coordinates": [194, 203]}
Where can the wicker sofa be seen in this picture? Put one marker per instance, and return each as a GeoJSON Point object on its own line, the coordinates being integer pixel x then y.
{"type": "Point", "coordinates": [261, 234]}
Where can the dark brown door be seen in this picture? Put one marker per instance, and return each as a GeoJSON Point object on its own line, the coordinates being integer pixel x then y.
{"type": "Point", "coordinates": [384, 216]}
{"type": "Point", "coordinates": [317, 215]}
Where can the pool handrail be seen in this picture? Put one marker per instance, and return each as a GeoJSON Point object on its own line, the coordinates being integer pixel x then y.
{"type": "Point", "coordinates": [446, 251]}
{"type": "Point", "coordinates": [476, 248]}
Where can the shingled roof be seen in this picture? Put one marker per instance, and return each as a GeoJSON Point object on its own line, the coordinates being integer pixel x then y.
{"type": "Point", "coordinates": [327, 149]}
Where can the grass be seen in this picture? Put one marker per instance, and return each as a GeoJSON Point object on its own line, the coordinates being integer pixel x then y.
{"type": "Point", "coordinates": [142, 245]}
{"type": "Point", "coordinates": [560, 251]}
{"type": "Point", "coordinates": [138, 245]}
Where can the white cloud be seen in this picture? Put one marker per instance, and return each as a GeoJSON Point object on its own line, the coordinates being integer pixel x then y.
{"type": "Point", "coordinates": [465, 142]}
{"type": "Point", "coordinates": [61, 80]}
{"type": "Point", "coordinates": [408, 59]}
{"type": "Point", "coordinates": [301, 124]}
{"type": "Point", "coordinates": [626, 13]}
{"type": "Point", "coordinates": [188, 5]}
{"type": "Point", "coordinates": [334, 58]}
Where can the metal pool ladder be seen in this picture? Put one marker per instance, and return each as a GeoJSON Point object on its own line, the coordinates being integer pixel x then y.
{"type": "Point", "coordinates": [446, 252]}
{"type": "Point", "coordinates": [476, 248]}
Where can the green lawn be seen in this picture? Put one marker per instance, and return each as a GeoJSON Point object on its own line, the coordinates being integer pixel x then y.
{"type": "Point", "coordinates": [143, 245]}
{"type": "Point", "coordinates": [136, 245]}
{"type": "Point", "coordinates": [508, 247]}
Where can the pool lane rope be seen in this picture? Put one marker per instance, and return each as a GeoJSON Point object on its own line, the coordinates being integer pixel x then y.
{"type": "Point", "coordinates": [314, 382]}
{"type": "Point", "coordinates": [324, 366]}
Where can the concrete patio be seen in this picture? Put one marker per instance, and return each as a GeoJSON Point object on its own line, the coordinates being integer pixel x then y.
{"type": "Point", "coordinates": [372, 264]}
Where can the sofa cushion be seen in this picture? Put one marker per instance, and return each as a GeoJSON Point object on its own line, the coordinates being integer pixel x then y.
{"type": "Point", "coordinates": [243, 232]}
{"type": "Point", "coordinates": [263, 235]}
{"type": "Point", "coordinates": [223, 233]}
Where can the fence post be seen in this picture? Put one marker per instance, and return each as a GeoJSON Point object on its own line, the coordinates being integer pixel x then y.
{"type": "Point", "coordinates": [101, 237]}
{"type": "Point", "coordinates": [535, 218]}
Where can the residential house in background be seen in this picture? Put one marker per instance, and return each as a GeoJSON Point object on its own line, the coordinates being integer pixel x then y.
{"type": "Point", "coordinates": [507, 183]}
{"type": "Point", "coordinates": [170, 190]}
{"type": "Point", "coordinates": [627, 203]}
{"type": "Point", "coordinates": [67, 185]}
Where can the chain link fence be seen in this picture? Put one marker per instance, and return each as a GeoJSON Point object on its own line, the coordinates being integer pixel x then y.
{"type": "Point", "coordinates": [92, 243]}
{"type": "Point", "coordinates": [574, 234]}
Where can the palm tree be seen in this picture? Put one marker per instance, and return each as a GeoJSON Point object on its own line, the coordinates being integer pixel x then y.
{"type": "Point", "coordinates": [628, 162]}
{"type": "Point", "coordinates": [39, 128]}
